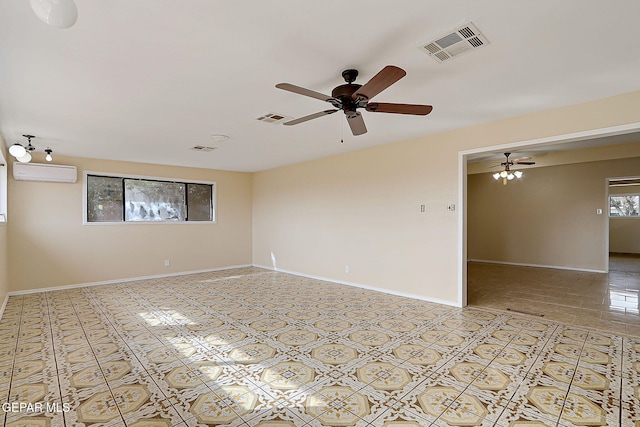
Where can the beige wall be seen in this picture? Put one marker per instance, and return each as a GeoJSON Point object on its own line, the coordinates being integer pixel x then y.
{"type": "Point", "coordinates": [547, 218]}
{"type": "Point", "coordinates": [50, 246]}
{"type": "Point", "coordinates": [362, 208]}
{"type": "Point", "coordinates": [624, 235]}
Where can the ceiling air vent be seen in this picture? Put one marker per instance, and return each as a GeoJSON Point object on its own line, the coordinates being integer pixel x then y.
{"type": "Point", "coordinates": [273, 118]}
{"type": "Point", "coordinates": [456, 43]}
{"type": "Point", "coordinates": [203, 148]}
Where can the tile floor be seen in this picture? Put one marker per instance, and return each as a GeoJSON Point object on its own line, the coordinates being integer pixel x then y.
{"type": "Point", "coordinates": [607, 302]}
{"type": "Point", "coordinates": [250, 347]}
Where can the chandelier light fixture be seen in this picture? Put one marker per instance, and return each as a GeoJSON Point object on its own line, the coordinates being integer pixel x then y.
{"type": "Point", "coordinates": [507, 174]}
{"type": "Point", "coordinates": [23, 154]}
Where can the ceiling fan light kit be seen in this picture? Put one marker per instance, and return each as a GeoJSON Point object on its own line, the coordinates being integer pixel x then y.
{"type": "Point", "coordinates": [349, 97]}
{"type": "Point", "coordinates": [507, 174]}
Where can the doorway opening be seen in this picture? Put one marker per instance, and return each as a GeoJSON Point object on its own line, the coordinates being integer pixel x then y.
{"type": "Point", "coordinates": [523, 276]}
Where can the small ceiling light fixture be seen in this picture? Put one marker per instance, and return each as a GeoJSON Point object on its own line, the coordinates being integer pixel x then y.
{"type": "Point", "coordinates": [219, 138]}
{"type": "Point", "coordinates": [507, 174]}
{"type": "Point", "coordinates": [23, 154]}
{"type": "Point", "coordinates": [20, 155]}
{"type": "Point", "coordinates": [26, 158]}
{"type": "Point", "coordinates": [17, 150]}
{"type": "Point", "coordinates": [57, 13]}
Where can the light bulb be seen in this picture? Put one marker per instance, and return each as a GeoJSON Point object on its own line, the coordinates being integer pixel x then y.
{"type": "Point", "coordinates": [17, 150]}
{"type": "Point", "coordinates": [496, 176]}
{"type": "Point", "coordinates": [503, 174]}
{"type": "Point", "coordinates": [24, 159]}
{"type": "Point", "coordinates": [510, 176]}
{"type": "Point", "coordinates": [518, 174]}
{"type": "Point", "coordinates": [48, 157]}
{"type": "Point", "coordinates": [57, 13]}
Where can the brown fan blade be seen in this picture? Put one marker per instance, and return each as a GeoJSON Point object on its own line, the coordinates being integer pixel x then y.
{"type": "Point", "coordinates": [382, 107]}
{"type": "Point", "coordinates": [309, 117]}
{"type": "Point", "coordinates": [356, 123]}
{"type": "Point", "coordinates": [385, 78]}
{"type": "Point", "coordinates": [524, 163]}
{"type": "Point", "coordinates": [302, 91]}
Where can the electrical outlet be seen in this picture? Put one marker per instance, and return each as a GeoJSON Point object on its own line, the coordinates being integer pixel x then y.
{"type": "Point", "coordinates": [598, 211]}
{"type": "Point", "coordinates": [423, 208]}
{"type": "Point", "coordinates": [166, 263]}
{"type": "Point", "coordinates": [451, 207]}
{"type": "Point", "coordinates": [346, 269]}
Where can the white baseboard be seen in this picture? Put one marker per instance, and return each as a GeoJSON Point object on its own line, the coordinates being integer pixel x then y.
{"type": "Point", "coordinates": [158, 276]}
{"type": "Point", "coordinates": [4, 305]}
{"type": "Point", "coordinates": [557, 267]}
{"type": "Point", "coordinates": [360, 285]}
{"type": "Point", "coordinates": [129, 279]}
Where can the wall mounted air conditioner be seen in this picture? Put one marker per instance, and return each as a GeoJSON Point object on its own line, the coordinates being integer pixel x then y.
{"type": "Point", "coordinates": [44, 172]}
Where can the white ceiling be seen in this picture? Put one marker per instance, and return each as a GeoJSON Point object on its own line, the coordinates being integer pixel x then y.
{"type": "Point", "coordinates": [554, 147]}
{"type": "Point", "coordinates": [146, 80]}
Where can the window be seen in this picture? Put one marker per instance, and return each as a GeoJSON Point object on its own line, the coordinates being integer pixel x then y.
{"type": "Point", "coordinates": [129, 199]}
{"type": "Point", "coordinates": [624, 205]}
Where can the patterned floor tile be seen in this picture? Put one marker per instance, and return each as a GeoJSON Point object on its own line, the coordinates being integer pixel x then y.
{"type": "Point", "coordinates": [199, 350]}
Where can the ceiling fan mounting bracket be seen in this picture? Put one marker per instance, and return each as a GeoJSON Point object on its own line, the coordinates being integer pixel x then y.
{"type": "Point", "coordinates": [508, 162]}
{"type": "Point", "coordinates": [350, 75]}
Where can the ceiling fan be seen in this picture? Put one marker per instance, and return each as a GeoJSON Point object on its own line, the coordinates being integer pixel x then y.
{"type": "Point", "coordinates": [351, 96]}
{"type": "Point", "coordinates": [507, 174]}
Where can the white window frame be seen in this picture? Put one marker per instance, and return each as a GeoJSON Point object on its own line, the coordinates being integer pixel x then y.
{"type": "Point", "coordinates": [637, 194]}
{"type": "Point", "coordinates": [214, 204]}
{"type": "Point", "coordinates": [3, 189]}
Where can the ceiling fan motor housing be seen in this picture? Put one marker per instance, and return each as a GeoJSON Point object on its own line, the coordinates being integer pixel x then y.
{"type": "Point", "coordinates": [343, 94]}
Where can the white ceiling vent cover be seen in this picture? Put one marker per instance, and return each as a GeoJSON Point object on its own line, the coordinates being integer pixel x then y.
{"type": "Point", "coordinates": [464, 39]}
{"type": "Point", "coordinates": [203, 148]}
{"type": "Point", "coordinates": [44, 172]}
{"type": "Point", "coordinates": [274, 118]}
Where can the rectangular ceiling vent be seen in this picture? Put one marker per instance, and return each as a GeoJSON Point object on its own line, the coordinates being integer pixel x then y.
{"type": "Point", "coordinates": [274, 118]}
{"type": "Point", "coordinates": [449, 46]}
{"type": "Point", "coordinates": [203, 148]}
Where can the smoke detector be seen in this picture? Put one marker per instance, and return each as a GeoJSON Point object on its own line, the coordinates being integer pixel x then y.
{"type": "Point", "coordinates": [273, 118]}
{"type": "Point", "coordinates": [218, 138]}
{"type": "Point", "coordinates": [449, 46]}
